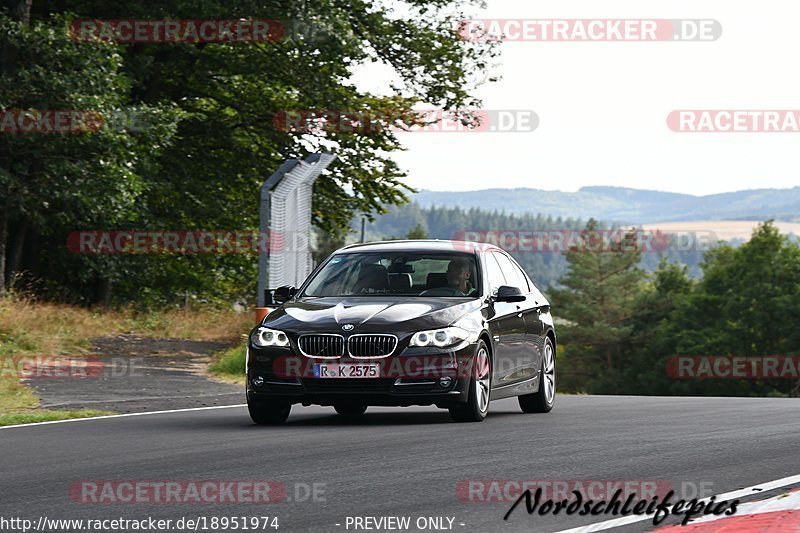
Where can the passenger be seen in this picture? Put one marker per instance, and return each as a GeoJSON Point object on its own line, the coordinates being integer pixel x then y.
{"type": "Point", "coordinates": [458, 275]}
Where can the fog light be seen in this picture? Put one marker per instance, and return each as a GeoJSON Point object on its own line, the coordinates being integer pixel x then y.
{"type": "Point", "coordinates": [257, 381]}
{"type": "Point", "coordinates": [445, 381]}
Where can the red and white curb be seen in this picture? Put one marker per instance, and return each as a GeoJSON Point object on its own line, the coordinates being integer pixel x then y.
{"type": "Point", "coordinates": [746, 492]}
{"type": "Point", "coordinates": [777, 514]}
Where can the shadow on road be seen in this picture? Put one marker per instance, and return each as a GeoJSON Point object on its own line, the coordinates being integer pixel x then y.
{"type": "Point", "coordinates": [398, 418]}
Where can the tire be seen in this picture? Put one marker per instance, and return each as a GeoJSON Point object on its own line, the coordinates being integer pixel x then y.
{"type": "Point", "coordinates": [350, 410]}
{"type": "Point", "coordinates": [542, 401]}
{"type": "Point", "coordinates": [480, 389]}
{"type": "Point", "coordinates": [269, 413]}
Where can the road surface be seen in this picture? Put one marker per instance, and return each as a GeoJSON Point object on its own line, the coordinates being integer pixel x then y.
{"type": "Point", "coordinates": [401, 462]}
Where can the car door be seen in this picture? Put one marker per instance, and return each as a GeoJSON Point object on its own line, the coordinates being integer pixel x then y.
{"type": "Point", "coordinates": [506, 326]}
{"type": "Point", "coordinates": [529, 352]}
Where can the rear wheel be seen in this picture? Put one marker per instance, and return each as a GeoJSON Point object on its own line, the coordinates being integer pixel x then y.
{"type": "Point", "coordinates": [268, 413]}
{"type": "Point", "coordinates": [542, 401]}
{"type": "Point", "coordinates": [480, 388]}
{"type": "Point", "coordinates": [350, 409]}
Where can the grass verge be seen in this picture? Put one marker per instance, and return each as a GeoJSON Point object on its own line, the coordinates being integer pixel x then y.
{"type": "Point", "coordinates": [19, 405]}
{"type": "Point", "coordinates": [57, 329]}
{"type": "Point", "coordinates": [36, 329]}
{"type": "Point", "coordinates": [44, 415]}
{"type": "Point", "coordinates": [228, 365]}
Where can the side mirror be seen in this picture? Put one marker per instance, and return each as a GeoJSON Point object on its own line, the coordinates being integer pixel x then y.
{"type": "Point", "coordinates": [507, 293]}
{"type": "Point", "coordinates": [283, 294]}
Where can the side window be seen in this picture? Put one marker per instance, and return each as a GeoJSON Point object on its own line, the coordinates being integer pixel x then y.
{"type": "Point", "coordinates": [512, 273]}
{"type": "Point", "coordinates": [523, 276]}
{"type": "Point", "coordinates": [494, 273]}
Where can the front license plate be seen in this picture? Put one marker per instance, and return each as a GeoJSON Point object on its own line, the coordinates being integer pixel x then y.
{"type": "Point", "coordinates": [346, 370]}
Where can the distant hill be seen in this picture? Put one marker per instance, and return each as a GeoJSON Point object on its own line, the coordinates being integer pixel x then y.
{"type": "Point", "coordinates": [728, 216]}
{"type": "Point", "coordinates": [624, 205]}
{"type": "Point", "coordinates": [544, 265]}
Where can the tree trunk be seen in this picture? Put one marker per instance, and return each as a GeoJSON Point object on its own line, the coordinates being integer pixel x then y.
{"type": "Point", "coordinates": [3, 240]}
{"type": "Point", "coordinates": [103, 294]}
{"type": "Point", "coordinates": [16, 249]}
{"type": "Point", "coordinates": [20, 10]}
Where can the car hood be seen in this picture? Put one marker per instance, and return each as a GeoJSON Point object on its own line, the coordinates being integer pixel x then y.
{"type": "Point", "coordinates": [369, 314]}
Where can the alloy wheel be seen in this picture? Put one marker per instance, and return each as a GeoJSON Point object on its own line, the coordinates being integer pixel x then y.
{"type": "Point", "coordinates": [482, 379]}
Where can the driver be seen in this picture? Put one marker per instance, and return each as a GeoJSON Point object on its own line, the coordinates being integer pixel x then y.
{"type": "Point", "coordinates": [458, 276]}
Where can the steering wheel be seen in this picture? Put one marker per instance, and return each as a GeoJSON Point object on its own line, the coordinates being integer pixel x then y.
{"type": "Point", "coordinates": [442, 291]}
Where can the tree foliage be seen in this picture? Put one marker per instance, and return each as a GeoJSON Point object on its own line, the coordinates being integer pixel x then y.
{"type": "Point", "coordinates": [746, 304]}
{"type": "Point", "coordinates": [595, 306]}
{"type": "Point", "coordinates": [207, 130]}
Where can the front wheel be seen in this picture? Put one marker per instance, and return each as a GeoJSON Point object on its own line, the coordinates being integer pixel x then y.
{"type": "Point", "coordinates": [542, 400]}
{"type": "Point", "coordinates": [480, 388]}
{"type": "Point", "coordinates": [269, 413]}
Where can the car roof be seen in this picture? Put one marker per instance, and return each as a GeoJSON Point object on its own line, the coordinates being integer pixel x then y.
{"type": "Point", "coordinates": [419, 245]}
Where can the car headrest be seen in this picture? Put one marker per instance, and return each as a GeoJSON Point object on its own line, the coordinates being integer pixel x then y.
{"type": "Point", "coordinates": [373, 277]}
{"type": "Point", "coordinates": [401, 268]}
{"type": "Point", "coordinates": [400, 282]}
{"type": "Point", "coordinates": [436, 279]}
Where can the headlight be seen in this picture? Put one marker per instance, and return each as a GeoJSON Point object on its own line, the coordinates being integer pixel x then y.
{"type": "Point", "coordinates": [439, 337]}
{"type": "Point", "coordinates": [263, 337]}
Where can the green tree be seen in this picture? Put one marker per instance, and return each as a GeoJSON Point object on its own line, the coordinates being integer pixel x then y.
{"type": "Point", "coordinates": [226, 101]}
{"type": "Point", "coordinates": [51, 183]}
{"type": "Point", "coordinates": [653, 338]}
{"type": "Point", "coordinates": [596, 308]}
{"type": "Point", "coordinates": [417, 232]}
{"type": "Point", "coordinates": [325, 245]}
{"type": "Point", "coordinates": [747, 303]}
{"type": "Point", "coordinates": [752, 294]}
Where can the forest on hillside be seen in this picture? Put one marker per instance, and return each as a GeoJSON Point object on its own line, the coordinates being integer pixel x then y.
{"type": "Point", "coordinates": [545, 265]}
{"type": "Point", "coordinates": [731, 332]}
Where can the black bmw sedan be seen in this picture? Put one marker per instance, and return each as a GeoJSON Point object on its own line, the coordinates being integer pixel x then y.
{"type": "Point", "coordinates": [446, 323]}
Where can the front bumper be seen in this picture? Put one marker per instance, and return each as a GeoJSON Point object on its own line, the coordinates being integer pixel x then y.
{"type": "Point", "coordinates": [411, 377]}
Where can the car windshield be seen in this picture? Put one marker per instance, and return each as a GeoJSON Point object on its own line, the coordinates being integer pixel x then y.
{"type": "Point", "coordinates": [397, 273]}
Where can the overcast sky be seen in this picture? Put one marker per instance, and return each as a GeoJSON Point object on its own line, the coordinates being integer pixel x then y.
{"type": "Point", "coordinates": [603, 105]}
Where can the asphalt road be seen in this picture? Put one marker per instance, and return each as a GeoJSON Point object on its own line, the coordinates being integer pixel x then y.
{"type": "Point", "coordinates": [402, 462]}
{"type": "Point", "coordinates": [139, 374]}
